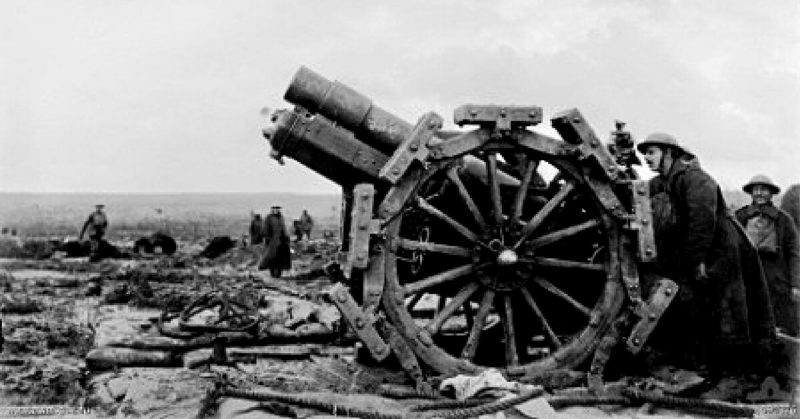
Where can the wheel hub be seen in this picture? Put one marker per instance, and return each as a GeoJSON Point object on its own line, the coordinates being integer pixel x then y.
{"type": "Point", "coordinates": [505, 274]}
{"type": "Point", "coordinates": [507, 257]}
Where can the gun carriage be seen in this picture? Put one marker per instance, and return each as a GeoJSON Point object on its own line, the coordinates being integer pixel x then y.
{"type": "Point", "coordinates": [495, 246]}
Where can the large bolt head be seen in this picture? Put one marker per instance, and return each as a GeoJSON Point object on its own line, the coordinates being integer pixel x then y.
{"type": "Point", "coordinates": [507, 257]}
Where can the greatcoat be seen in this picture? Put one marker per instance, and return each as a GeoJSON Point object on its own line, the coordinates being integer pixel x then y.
{"type": "Point", "coordinates": [277, 254]}
{"type": "Point", "coordinates": [730, 307]}
{"type": "Point", "coordinates": [791, 204]}
{"type": "Point", "coordinates": [779, 250]}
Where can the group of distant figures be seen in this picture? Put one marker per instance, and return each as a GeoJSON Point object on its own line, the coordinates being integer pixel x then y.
{"type": "Point", "coordinates": [6, 231]}
{"type": "Point", "coordinates": [301, 228]}
{"type": "Point", "coordinates": [271, 232]}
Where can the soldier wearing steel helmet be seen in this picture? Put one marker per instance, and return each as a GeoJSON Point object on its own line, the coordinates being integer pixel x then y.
{"type": "Point", "coordinates": [773, 233]}
{"type": "Point", "coordinates": [723, 305]}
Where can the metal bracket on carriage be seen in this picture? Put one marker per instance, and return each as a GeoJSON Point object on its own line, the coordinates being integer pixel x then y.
{"type": "Point", "coordinates": [646, 315]}
{"type": "Point", "coordinates": [574, 129]}
{"type": "Point", "coordinates": [641, 221]}
{"type": "Point", "coordinates": [602, 353]}
{"type": "Point", "coordinates": [414, 147]}
{"type": "Point", "coordinates": [630, 271]}
{"type": "Point", "coordinates": [405, 355]}
{"type": "Point", "coordinates": [650, 312]}
{"type": "Point", "coordinates": [363, 324]}
{"type": "Point", "coordinates": [501, 118]}
{"type": "Point", "coordinates": [493, 121]}
{"type": "Point", "coordinates": [362, 227]}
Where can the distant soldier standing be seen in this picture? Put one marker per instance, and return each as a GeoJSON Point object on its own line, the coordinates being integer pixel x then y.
{"type": "Point", "coordinates": [96, 224]}
{"type": "Point", "coordinates": [773, 233]}
{"type": "Point", "coordinates": [306, 224]}
{"type": "Point", "coordinates": [256, 229]}
{"type": "Point", "coordinates": [277, 256]}
{"type": "Point", "coordinates": [297, 230]}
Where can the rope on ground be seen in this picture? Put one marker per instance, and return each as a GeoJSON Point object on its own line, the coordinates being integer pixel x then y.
{"type": "Point", "coordinates": [333, 408]}
{"type": "Point", "coordinates": [404, 392]}
{"type": "Point", "coordinates": [562, 401]}
{"type": "Point", "coordinates": [309, 402]}
{"type": "Point", "coordinates": [488, 408]}
{"type": "Point", "coordinates": [707, 407]}
{"type": "Point", "coordinates": [450, 404]}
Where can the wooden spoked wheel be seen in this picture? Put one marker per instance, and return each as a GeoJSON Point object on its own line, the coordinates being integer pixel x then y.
{"type": "Point", "coordinates": [517, 268]}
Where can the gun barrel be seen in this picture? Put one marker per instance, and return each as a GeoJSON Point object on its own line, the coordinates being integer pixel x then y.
{"type": "Point", "coordinates": [328, 149]}
{"type": "Point", "coordinates": [341, 134]}
{"type": "Point", "coordinates": [349, 109]}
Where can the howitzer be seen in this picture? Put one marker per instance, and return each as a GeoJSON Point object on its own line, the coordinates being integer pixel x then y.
{"type": "Point", "coordinates": [497, 246]}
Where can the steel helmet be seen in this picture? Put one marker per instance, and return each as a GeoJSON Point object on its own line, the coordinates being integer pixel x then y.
{"type": "Point", "coordinates": [761, 180]}
{"type": "Point", "coordinates": [660, 139]}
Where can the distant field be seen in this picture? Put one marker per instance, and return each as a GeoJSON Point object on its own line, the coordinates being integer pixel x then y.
{"type": "Point", "coordinates": [185, 216]}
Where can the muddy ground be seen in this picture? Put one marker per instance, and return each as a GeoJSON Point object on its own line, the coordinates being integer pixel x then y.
{"type": "Point", "coordinates": [59, 315]}
{"type": "Point", "coordinates": [55, 311]}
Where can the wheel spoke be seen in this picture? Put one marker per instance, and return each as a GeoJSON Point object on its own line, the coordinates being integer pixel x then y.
{"type": "Point", "coordinates": [562, 234]}
{"type": "Point", "coordinates": [441, 304]}
{"type": "Point", "coordinates": [441, 278]}
{"type": "Point", "coordinates": [430, 209]}
{"type": "Point", "coordinates": [414, 301]}
{"type": "Point", "coordinates": [511, 341]}
{"type": "Point", "coordinates": [447, 311]}
{"type": "Point", "coordinates": [432, 247]}
{"type": "Point", "coordinates": [522, 192]}
{"type": "Point", "coordinates": [552, 289]}
{"type": "Point", "coordinates": [561, 263]}
{"type": "Point", "coordinates": [467, 308]}
{"type": "Point", "coordinates": [477, 326]}
{"type": "Point", "coordinates": [543, 213]}
{"type": "Point", "coordinates": [452, 174]}
{"type": "Point", "coordinates": [494, 190]}
{"type": "Point", "coordinates": [538, 312]}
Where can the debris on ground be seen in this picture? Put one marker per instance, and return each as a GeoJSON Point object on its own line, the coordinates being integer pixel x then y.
{"type": "Point", "coordinates": [90, 335]}
{"type": "Point", "coordinates": [217, 247]}
{"type": "Point", "coordinates": [158, 242]}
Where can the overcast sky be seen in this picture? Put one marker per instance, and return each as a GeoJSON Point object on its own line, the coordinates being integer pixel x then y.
{"type": "Point", "coordinates": [164, 96]}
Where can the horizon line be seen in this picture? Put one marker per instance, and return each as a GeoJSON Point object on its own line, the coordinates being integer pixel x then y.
{"type": "Point", "coordinates": [166, 193]}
